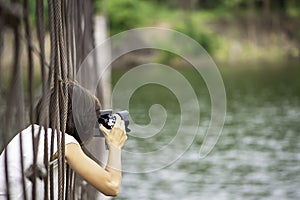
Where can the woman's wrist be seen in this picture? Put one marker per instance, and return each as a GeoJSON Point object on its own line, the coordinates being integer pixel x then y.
{"type": "Point", "coordinates": [112, 146]}
{"type": "Point", "coordinates": [114, 158]}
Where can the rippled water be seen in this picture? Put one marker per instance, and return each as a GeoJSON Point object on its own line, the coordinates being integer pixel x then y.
{"type": "Point", "coordinates": [256, 157]}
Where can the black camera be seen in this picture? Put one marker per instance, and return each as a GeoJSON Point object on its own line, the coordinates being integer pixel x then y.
{"type": "Point", "coordinates": [108, 120]}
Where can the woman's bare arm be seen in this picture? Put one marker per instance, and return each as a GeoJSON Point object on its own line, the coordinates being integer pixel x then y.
{"type": "Point", "coordinates": [106, 180]}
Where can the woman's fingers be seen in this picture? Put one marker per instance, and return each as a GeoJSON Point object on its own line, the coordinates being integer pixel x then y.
{"type": "Point", "coordinates": [104, 130]}
{"type": "Point", "coordinates": [119, 122]}
{"type": "Point", "coordinates": [117, 135]}
{"type": "Point", "coordinates": [124, 138]}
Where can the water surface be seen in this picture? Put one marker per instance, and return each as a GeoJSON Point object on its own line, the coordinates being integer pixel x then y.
{"type": "Point", "coordinates": [256, 157]}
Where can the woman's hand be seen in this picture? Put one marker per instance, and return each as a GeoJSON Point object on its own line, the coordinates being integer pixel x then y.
{"type": "Point", "coordinates": [117, 135]}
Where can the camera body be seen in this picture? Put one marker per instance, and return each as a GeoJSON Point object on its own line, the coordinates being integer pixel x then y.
{"type": "Point", "coordinates": [108, 120]}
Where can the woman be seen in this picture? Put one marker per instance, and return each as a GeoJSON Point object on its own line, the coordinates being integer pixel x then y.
{"type": "Point", "coordinates": [81, 117]}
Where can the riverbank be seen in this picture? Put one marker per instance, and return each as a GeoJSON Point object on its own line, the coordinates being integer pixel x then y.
{"type": "Point", "coordinates": [230, 36]}
{"type": "Point", "coordinates": [243, 38]}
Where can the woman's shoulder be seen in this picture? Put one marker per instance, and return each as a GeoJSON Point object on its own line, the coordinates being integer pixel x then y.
{"type": "Point", "coordinates": [26, 136]}
{"type": "Point", "coordinates": [68, 138]}
{"type": "Point", "coordinates": [41, 131]}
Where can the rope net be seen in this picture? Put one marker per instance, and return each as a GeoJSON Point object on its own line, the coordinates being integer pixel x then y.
{"type": "Point", "coordinates": [42, 44]}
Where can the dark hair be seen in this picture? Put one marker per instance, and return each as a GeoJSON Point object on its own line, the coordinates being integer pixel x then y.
{"type": "Point", "coordinates": [82, 111]}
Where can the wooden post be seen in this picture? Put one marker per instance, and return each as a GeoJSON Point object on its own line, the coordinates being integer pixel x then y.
{"type": "Point", "coordinates": [100, 34]}
{"type": "Point", "coordinates": [97, 145]}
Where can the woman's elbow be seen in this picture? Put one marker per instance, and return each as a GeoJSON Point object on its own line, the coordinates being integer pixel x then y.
{"type": "Point", "coordinates": [113, 192]}
{"type": "Point", "coordinates": [113, 189]}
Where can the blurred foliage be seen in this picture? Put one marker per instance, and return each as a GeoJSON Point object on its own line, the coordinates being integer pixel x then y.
{"type": "Point", "coordinates": [126, 14]}
{"type": "Point", "coordinates": [272, 5]}
{"type": "Point", "coordinates": [289, 7]}
{"type": "Point", "coordinates": [192, 17]}
{"type": "Point", "coordinates": [194, 29]}
{"type": "Point", "coordinates": [33, 15]}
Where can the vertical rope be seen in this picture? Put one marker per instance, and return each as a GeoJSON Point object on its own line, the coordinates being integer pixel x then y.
{"type": "Point", "coordinates": [30, 91]}
{"type": "Point", "coordinates": [73, 40]}
{"type": "Point", "coordinates": [6, 175]}
{"type": "Point", "coordinates": [78, 33]}
{"type": "Point", "coordinates": [68, 182]}
{"type": "Point", "coordinates": [52, 75]}
{"type": "Point", "coordinates": [50, 78]}
{"type": "Point", "coordinates": [22, 168]}
{"type": "Point", "coordinates": [51, 166]}
{"type": "Point", "coordinates": [45, 88]}
{"type": "Point", "coordinates": [68, 24]}
{"type": "Point", "coordinates": [20, 123]}
{"type": "Point", "coordinates": [62, 89]}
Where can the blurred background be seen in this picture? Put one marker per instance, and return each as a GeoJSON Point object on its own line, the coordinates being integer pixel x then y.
{"type": "Point", "coordinates": [256, 46]}
{"type": "Point", "coordinates": [230, 30]}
